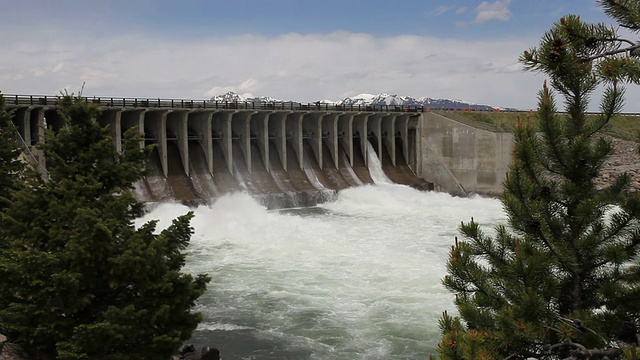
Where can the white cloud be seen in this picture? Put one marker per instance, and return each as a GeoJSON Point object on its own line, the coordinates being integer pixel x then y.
{"type": "Point", "coordinates": [511, 68]}
{"type": "Point", "coordinates": [498, 10]}
{"type": "Point", "coordinates": [246, 89]}
{"type": "Point", "coordinates": [293, 67]}
{"type": "Point", "coordinates": [461, 10]}
{"type": "Point", "coordinates": [556, 12]}
{"type": "Point", "coordinates": [441, 10]}
{"type": "Point", "coordinates": [38, 72]}
{"type": "Point", "coordinates": [57, 68]}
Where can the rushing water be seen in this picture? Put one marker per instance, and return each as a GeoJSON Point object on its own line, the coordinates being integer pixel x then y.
{"type": "Point", "coordinates": [357, 278]}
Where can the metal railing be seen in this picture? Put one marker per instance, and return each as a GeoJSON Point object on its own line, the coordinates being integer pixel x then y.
{"type": "Point", "coordinates": [46, 100]}
{"type": "Point", "coordinates": [113, 102]}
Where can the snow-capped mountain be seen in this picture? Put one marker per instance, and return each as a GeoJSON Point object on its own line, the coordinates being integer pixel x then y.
{"type": "Point", "coordinates": [228, 97]}
{"type": "Point", "coordinates": [233, 97]}
{"type": "Point", "coordinates": [368, 99]}
{"type": "Point", "coordinates": [380, 99]}
{"type": "Point", "coordinates": [396, 100]}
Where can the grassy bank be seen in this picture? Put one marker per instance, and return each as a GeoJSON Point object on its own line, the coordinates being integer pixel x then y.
{"type": "Point", "coordinates": [623, 126]}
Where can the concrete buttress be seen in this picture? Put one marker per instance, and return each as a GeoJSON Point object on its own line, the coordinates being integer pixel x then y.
{"type": "Point", "coordinates": [133, 119]}
{"type": "Point", "coordinates": [240, 126]}
{"type": "Point", "coordinates": [402, 127]}
{"type": "Point", "coordinates": [312, 131]}
{"type": "Point", "coordinates": [221, 125]}
{"type": "Point", "coordinates": [155, 122]}
{"type": "Point", "coordinates": [345, 128]}
{"type": "Point", "coordinates": [360, 126]}
{"type": "Point", "coordinates": [112, 118]}
{"type": "Point", "coordinates": [330, 135]}
{"type": "Point", "coordinates": [389, 137]}
{"type": "Point", "coordinates": [200, 123]}
{"type": "Point", "coordinates": [294, 134]}
{"type": "Point", "coordinates": [374, 127]}
{"type": "Point", "coordinates": [177, 125]}
{"type": "Point", "coordinates": [278, 134]}
{"type": "Point", "coordinates": [259, 129]}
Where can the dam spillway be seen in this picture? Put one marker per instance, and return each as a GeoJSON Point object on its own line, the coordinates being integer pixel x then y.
{"type": "Point", "coordinates": [284, 154]}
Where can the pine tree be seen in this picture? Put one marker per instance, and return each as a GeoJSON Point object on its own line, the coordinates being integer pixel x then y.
{"type": "Point", "coordinates": [77, 279]}
{"type": "Point", "coordinates": [10, 167]}
{"type": "Point", "coordinates": [562, 280]}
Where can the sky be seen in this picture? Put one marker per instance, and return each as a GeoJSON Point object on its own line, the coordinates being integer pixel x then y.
{"type": "Point", "coordinates": [298, 50]}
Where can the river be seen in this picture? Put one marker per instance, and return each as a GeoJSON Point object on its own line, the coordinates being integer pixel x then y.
{"type": "Point", "coordinates": [356, 278]}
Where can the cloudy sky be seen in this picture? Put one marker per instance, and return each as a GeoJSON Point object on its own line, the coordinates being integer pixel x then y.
{"type": "Point", "coordinates": [300, 50]}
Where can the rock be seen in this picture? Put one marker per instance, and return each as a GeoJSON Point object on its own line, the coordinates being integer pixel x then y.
{"type": "Point", "coordinates": [209, 353]}
{"type": "Point", "coordinates": [10, 351]}
{"type": "Point", "coordinates": [188, 352]}
{"type": "Point", "coordinates": [186, 349]}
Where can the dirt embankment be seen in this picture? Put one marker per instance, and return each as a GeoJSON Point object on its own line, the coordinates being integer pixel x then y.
{"type": "Point", "coordinates": [625, 158]}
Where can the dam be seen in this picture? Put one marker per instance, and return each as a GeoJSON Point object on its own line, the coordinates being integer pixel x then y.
{"type": "Point", "coordinates": [284, 154]}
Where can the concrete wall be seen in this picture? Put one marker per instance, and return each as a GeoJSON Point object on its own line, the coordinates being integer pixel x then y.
{"type": "Point", "coordinates": [461, 159]}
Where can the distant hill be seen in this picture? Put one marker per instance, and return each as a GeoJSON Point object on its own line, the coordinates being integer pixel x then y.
{"type": "Point", "coordinates": [369, 99]}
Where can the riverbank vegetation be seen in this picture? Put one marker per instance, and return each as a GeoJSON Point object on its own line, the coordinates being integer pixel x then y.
{"type": "Point", "coordinates": [562, 280]}
{"type": "Point", "coordinates": [77, 279]}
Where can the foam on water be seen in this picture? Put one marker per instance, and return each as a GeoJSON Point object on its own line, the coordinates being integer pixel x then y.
{"type": "Point", "coordinates": [357, 278]}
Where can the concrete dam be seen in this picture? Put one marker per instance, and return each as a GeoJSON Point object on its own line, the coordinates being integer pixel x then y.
{"type": "Point", "coordinates": [284, 154]}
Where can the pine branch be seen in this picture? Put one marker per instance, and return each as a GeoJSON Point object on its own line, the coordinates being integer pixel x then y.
{"type": "Point", "coordinates": [616, 230]}
{"type": "Point", "coordinates": [623, 12]}
{"type": "Point", "coordinates": [565, 265]}
{"type": "Point", "coordinates": [629, 49]}
{"type": "Point", "coordinates": [616, 39]}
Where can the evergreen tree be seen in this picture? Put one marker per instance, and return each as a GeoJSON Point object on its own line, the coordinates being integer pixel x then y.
{"type": "Point", "coordinates": [562, 280]}
{"type": "Point", "coordinates": [77, 279]}
{"type": "Point", "coordinates": [10, 149]}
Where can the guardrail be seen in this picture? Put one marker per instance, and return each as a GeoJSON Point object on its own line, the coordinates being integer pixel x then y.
{"type": "Point", "coordinates": [44, 100]}
{"type": "Point", "coordinates": [48, 100]}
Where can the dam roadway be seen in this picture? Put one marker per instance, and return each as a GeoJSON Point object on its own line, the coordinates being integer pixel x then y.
{"type": "Point", "coordinates": [285, 154]}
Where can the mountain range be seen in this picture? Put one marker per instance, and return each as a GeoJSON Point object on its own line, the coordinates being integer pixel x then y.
{"type": "Point", "coordinates": [367, 99]}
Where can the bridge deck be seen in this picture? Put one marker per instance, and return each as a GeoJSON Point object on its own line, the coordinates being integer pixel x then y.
{"type": "Point", "coordinates": [111, 102]}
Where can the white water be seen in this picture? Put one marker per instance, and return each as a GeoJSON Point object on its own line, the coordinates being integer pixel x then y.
{"type": "Point", "coordinates": [357, 278]}
{"type": "Point", "coordinates": [375, 167]}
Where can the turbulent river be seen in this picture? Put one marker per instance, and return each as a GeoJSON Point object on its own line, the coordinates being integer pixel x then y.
{"type": "Point", "coordinates": [356, 278]}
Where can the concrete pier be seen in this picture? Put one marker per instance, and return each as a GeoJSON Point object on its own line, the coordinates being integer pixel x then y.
{"type": "Point", "coordinates": [221, 125]}
{"type": "Point", "coordinates": [155, 129]}
{"type": "Point", "coordinates": [278, 134]}
{"type": "Point", "coordinates": [177, 126]}
{"type": "Point", "coordinates": [294, 136]}
{"type": "Point", "coordinates": [360, 131]}
{"type": "Point", "coordinates": [200, 123]}
{"type": "Point", "coordinates": [345, 137]}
